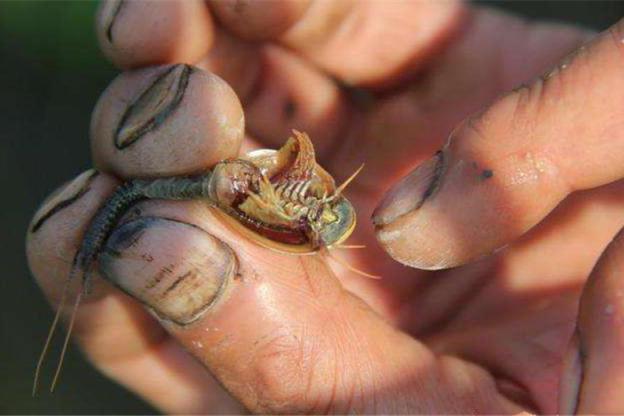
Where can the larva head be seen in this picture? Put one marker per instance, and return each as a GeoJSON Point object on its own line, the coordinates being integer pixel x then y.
{"type": "Point", "coordinates": [335, 223]}
{"type": "Point", "coordinates": [283, 199]}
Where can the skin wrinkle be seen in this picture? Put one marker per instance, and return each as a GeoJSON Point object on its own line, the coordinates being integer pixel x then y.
{"type": "Point", "coordinates": [351, 334]}
{"type": "Point", "coordinates": [279, 365]}
{"type": "Point", "coordinates": [309, 385]}
{"type": "Point", "coordinates": [524, 99]}
{"type": "Point", "coordinates": [456, 307]}
{"type": "Point", "coordinates": [332, 397]}
{"type": "Point", "coordinates": [308, 279]}
{"type": "Point", "coordinates": [316, 303]}
{"type": "Point", "coordinates": [344, 334]}
{"type": "Point", "coordinates": [311, 372]}
{"type": "Point", "coordinates": [491, 374]}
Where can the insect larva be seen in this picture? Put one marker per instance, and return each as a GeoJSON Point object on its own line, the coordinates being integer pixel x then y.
{"type": "Point", "coordinates": [280, 199]}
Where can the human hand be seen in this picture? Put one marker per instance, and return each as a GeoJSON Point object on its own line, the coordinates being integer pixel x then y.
{"type": "Point", "coordinates": [289, 334]}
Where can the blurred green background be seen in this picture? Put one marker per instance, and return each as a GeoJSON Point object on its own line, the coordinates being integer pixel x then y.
{"type": "Point", "coordinates": [51, 74]}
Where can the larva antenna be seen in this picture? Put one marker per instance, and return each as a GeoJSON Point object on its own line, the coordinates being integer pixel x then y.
{"type": "Point", "coordinates": [346, 183]}
{"type": "Point", "coordinates": [350, 246]}
{"type": "Point", "coordinates": [349, 267]}
{"type": "Point", "coordinates": [51, 332]}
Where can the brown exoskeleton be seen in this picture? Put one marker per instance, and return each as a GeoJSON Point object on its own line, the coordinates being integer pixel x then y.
{"type": "Point", "coordinates": [280, 199]}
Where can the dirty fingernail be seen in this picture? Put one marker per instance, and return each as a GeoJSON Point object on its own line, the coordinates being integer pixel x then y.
{"type": "Point", "coordinates": [412, 191]}
{"type": "Point", "coordinates": [108, 15]}
{"type": "Point", "coordinates": [153, 106]}
{"type": "Point", "coordinates": [176, 269]}
{"type": "Point", "coordinates": [62, 198]}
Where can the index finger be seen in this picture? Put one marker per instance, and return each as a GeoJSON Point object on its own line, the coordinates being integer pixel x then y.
{"type": "Point", "coordinates": [504, 170]}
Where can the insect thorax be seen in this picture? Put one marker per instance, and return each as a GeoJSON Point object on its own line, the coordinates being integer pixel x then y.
{"type": "Point", "coordinates": [283, 195]}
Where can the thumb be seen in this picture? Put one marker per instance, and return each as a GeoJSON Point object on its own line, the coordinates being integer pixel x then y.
{"type": "Point", "coordinates": [593, 375]}
{"type": "Point", "coordinates": [505, 169]}
{"type": "Point", "coordinates": [280, 333]}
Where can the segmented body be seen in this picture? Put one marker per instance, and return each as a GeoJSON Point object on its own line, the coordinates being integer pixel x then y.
{"type": "Point", "coordinates": [283, 196]}
{"type": "Point", "coordinates": [295, 201]}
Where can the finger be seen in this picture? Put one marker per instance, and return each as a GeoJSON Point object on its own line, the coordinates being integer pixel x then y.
{"type": "Point", "coordinates": [140, 33]}
{"type": "Point", "coordinates": [280, 333]}
{"type": "Point", "coordinates": [593, 373]}
{"type": "Point", "coordinates": [364, 43]}
{"type": "Point", "coordinates": [504, 170]}
{"type": "Point", "coordinates": [251, 22]}
{"type": "Point", "coordinates": [403, 129]}
{"type": "Point", "coordinates": [235, 61]}
{"type": "Point", "coordinates": [116, 334]}
{"type": "Point", "coordinates": [292, 94]}
{"type": "Point", "coordinates": [280, 91]}
{"type": "Point", "coordinates": [166, 120]}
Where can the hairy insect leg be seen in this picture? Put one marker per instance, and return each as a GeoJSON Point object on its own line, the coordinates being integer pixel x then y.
{"type": "Point", "coordinates": [346, 183]}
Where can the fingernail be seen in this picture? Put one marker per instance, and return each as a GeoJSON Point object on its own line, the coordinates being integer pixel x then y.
{"type": "Point", "coordinates": [176, 269]}
{"type": "Point", "coordinates": [412, 191]}
{"type": "Point", "coordinates": [62, 198]}
{"type": "Point", "coordinates": [571, 377]}
{"type": "Point", "coordinates": [110, 10]}
{"type": "Point", "coordinates": [153, 105]}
